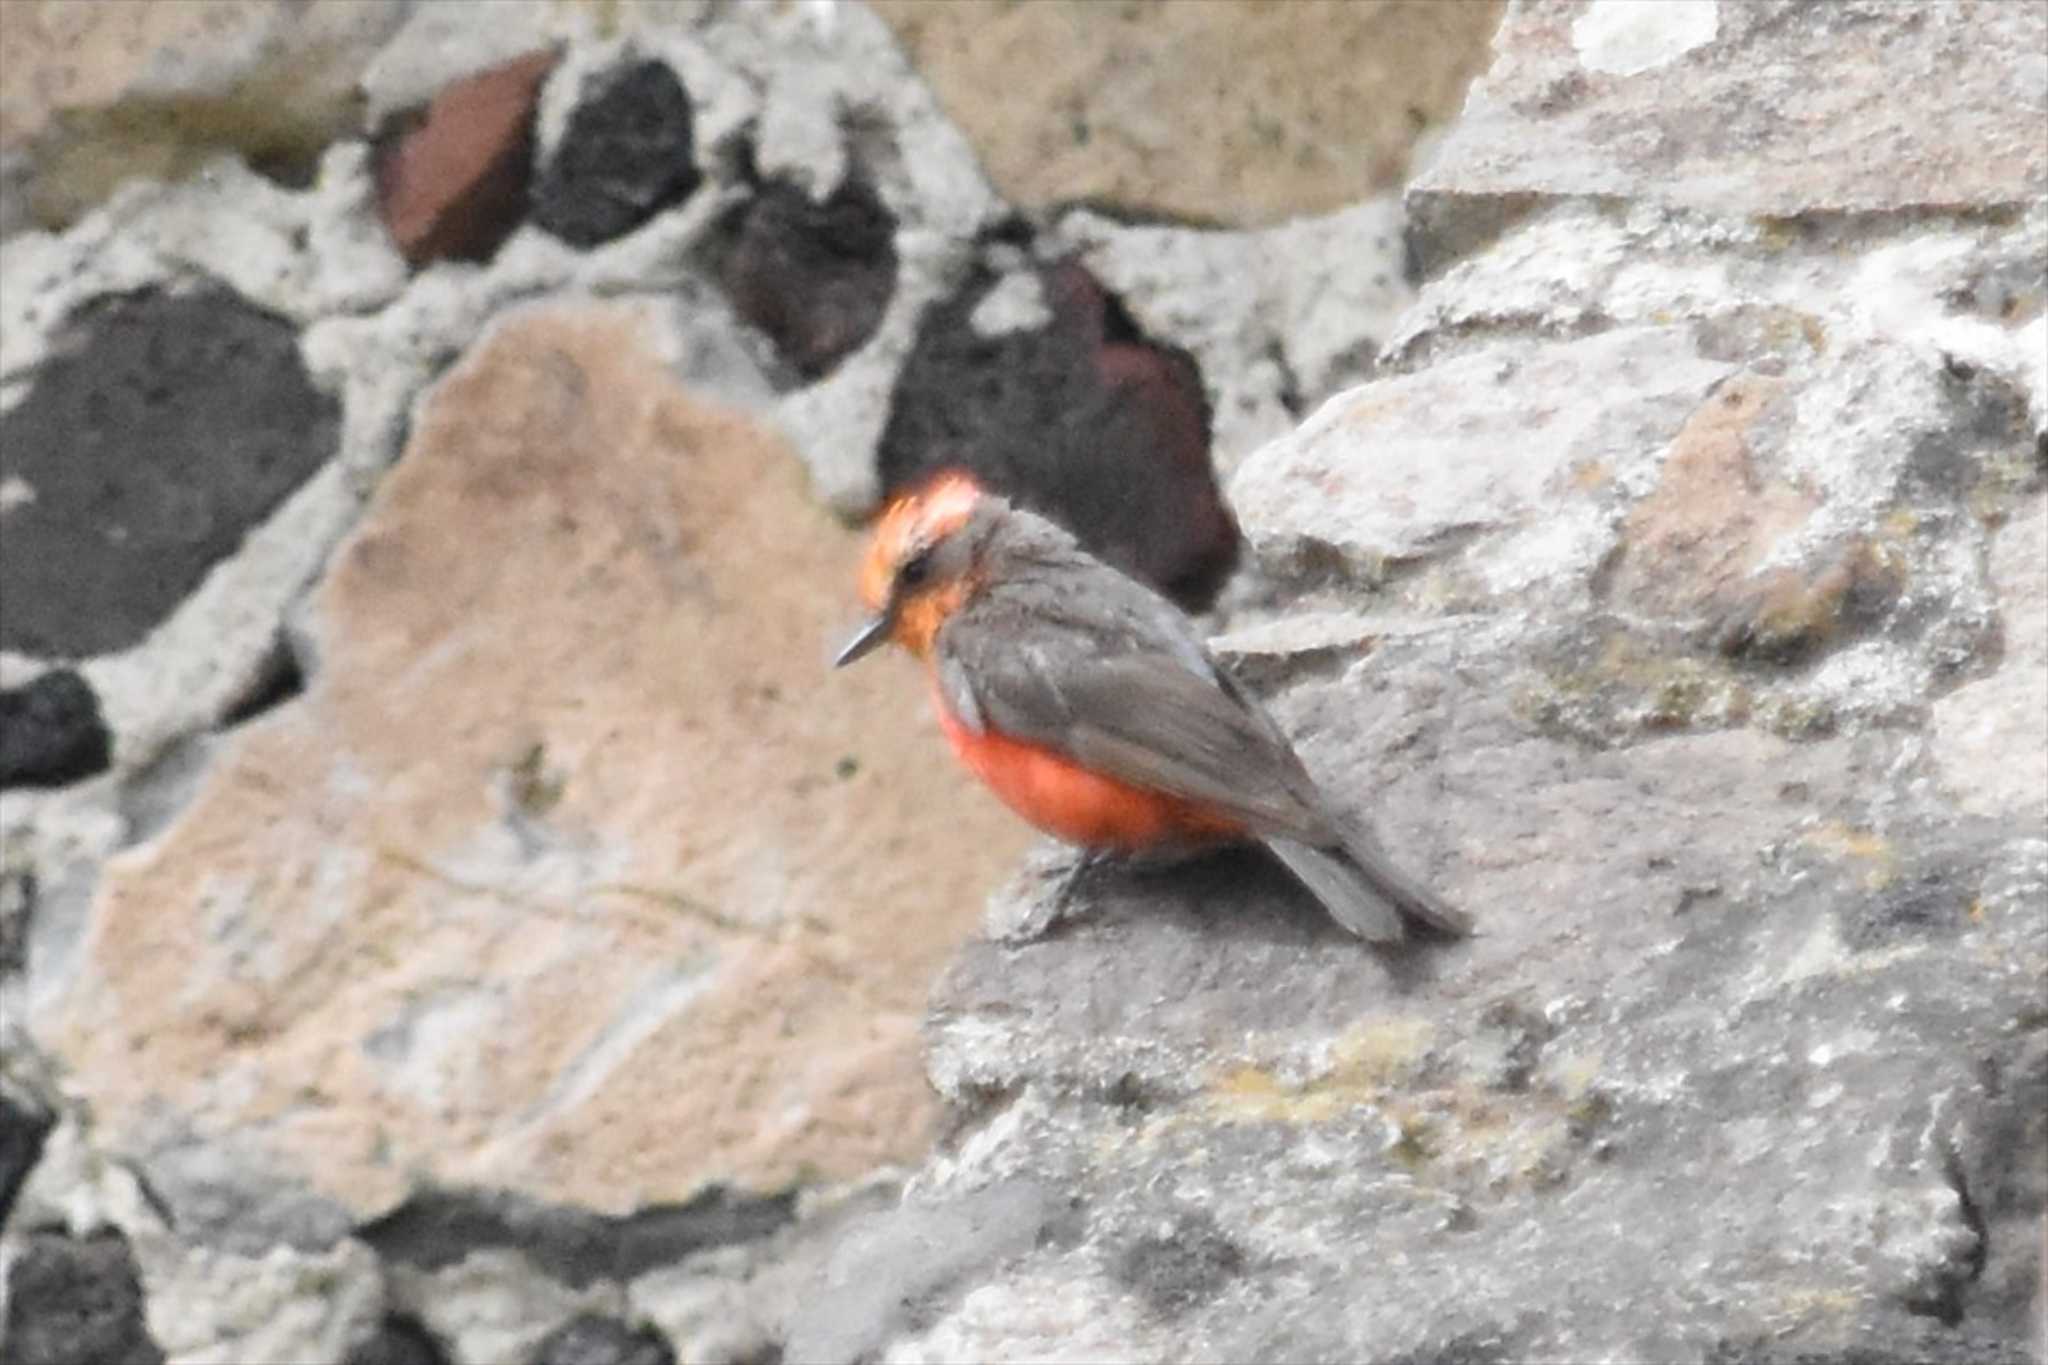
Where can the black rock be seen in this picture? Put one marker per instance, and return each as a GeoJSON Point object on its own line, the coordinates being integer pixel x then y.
{"type": "Point", "coordinates": [149, 445]}
{"type": "Point", "coordinates": [589, 1339]}
{"type": "Point", "coordinates": [625, 157]}
{"type": "Point", "coordinates": [436, 1228]}
{"type": "Point", "coordinates": [51, 732]}
{"type": "Point", "coordinates": [24, 1124]}
{"type": "Point", "coordinates": [398, 1341]}
{"type": "Point", "coordinates": [815, 277]}
{"type": "Point", "coordinates": [76, 1301]}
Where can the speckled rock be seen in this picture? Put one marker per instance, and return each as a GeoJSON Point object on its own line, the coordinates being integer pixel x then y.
{"type": "Point", "coordinates": [622, 841]}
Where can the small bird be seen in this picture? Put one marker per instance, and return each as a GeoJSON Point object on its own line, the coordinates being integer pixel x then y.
{"type": "Point", "coordinates": [1089, 704]}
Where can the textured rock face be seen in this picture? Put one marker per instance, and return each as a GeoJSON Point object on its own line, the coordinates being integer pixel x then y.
{"type": "Point", "coordinates": [625, 842]}
{"type": "Point", "coordinates": [1714, 107]}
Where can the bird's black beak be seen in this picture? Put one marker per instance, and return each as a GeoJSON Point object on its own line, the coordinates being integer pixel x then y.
{"type": "Point", "coordinates": [867, 638]}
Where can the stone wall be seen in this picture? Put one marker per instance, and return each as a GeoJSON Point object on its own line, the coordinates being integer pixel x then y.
{"type": "Point", "coordinates": [449, 913]}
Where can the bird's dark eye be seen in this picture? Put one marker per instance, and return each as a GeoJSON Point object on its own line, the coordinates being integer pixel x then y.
{"type": "Point", "coordinates": [915, 570]}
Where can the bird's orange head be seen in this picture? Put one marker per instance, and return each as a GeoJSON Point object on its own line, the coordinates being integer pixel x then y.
{"type": "Point", "coordinates": [919, 566]}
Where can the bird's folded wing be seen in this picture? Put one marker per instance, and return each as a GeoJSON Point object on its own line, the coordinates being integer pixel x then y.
{"type": "Point", "coordinates": [1150, 721]}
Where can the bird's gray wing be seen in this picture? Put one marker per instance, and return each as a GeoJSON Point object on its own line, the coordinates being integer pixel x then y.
{"type": "Point", "coordinates": [1146, 718]}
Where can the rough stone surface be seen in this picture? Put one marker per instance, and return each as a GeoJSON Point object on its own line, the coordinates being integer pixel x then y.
{"type": "Point", "coordinates": [75, 1301]}
{"type": "Point", "coordinates": [51, 732]}
{"type": "Point", "coordinates": [1079, 416]}
{"type": "Point", "coordinates": [1991, 734]}
{"type": "Point", "coordinates": [142, 458]}
{"type": "Point", "coordinates": [1722, 108]}
{"type": "Point", "coordinates": [623, 841]}
{"type": "Point", "coordinates": [213, 1307]}
{"type": "Point", "coordinates": [452, 179]}
{"type": "Point", "coordinates": [625, 157]}
{"type": "Point", "coordinates": [1239, 113]}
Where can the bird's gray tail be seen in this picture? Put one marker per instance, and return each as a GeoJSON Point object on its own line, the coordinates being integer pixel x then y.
{"type": "Point", "coordinates": [1366, 893]}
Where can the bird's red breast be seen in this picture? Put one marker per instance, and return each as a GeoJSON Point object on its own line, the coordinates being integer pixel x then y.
{"type": "Point", "coordinates": [1068, 801]}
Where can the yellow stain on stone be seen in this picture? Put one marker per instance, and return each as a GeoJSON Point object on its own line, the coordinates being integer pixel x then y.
{"type": "Point", "coordinates": [1364, 1065]}
{"type": "Point", "coordinates": [1842, 841]}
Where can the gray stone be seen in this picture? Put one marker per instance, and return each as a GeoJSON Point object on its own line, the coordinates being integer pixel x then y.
{"type": "Point", "coordinates": [625, 157]}
{"type": "Point", "coordinates": [75, 1301]}
{"type": "Point", "coordinates": [1744, 1034]}
{"type": "Point", "coordinates": [141, 457]}
{"type": "Point", "coordinates": [51, 732]}
{"type": "Point", "coordinates": [896, 1270]}
{"type": "Point", "coordinates": [1752, 110]}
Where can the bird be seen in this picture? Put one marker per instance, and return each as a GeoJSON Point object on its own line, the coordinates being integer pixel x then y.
{"type": "Point", "coordinates": [1091, 705]}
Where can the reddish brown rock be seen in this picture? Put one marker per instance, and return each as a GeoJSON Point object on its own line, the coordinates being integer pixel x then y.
{"type": "Point", "coordinates": [574, 870]}
{"type": "Point", "coordinates": [1695, 539]}
{"type": "Point", "coordinates": [452, 179]}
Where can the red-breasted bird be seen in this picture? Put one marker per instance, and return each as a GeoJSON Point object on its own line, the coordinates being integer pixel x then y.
{"type": "Point", "coordinates": [1089, 704]}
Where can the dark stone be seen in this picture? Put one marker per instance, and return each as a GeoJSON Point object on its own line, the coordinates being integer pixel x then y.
{"type": "Point", "coordinates": [398, 1341]}
{"type": "Point", "coordinates": [278, 679]}
{"type": "Point", "coordinates": [24, 1124]}
{"type": "Point", "coordinates": [589, 1339]}
{"type": "Point", "coordinates": [452, 178]}
{"type": "Point", "coordinates": [171, 425]}
{"type": "Point", "coordinates": [1082, 419]}
{"type": "Point", "coordinates": [51, 732]}
{"type": "Point", "coordinates": [625, 157]}
{"type": "Point", "coordinates": [437, 1228]}
{"type": "Point", "coordinates": [1183, 1269]}
{"type": "Point", "coordinates": [76, 1301]}
{"type": "Point", "coordinates": [815, 277]}
{"type": "Point", "coordinates": [17, 901]}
